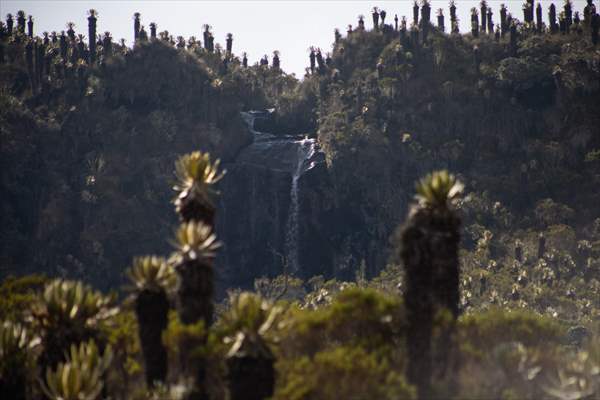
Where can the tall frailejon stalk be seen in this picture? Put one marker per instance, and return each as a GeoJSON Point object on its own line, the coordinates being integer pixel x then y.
{"type": "Point", "coordinates": [16, 359]}
{"type": "Point", "coordinates": [503, 19]}
{"type": "Point", "coordinates": [453, 18]}
{"type": "Point", "coordinates": [196, 244]}
{"type": "Point", "coordinates": [429, 253]}
{"type": "Point", "coordinates": [440, 20]}
{"type": "Point", "coordinates": [229, 44]}
{"type": "Point", "coordinates": [375, 15]}
{"type": "Point", "coordinates": [474, 22]}
{"type": "Point", "coordinates": [136, 26]}
{"type": "Point", "coordinates": [197, 177]}
{"type": "Point", "coordinates": [9, 24]}
{"type": "Point", "coordinates": [153, 279]}
{"type": "Point", "coordinates": [21, 22]}
{"type": "Point", "coordinates": [483, 7]}
{"type": "Point", "coordinates": [552, 19]}
{"type": "Point", "coordinates": [92, 19]}
{"type": "Point", "coordinates": [250, 362]}
{"type": "Point", "coordinates": [30, 26]}
{"type": "Point", "coordinates": [68, 313]}
{"type": "Point", "coordinates": [193, 261]}
{"type": "Point", "coordinates": [416, 13]}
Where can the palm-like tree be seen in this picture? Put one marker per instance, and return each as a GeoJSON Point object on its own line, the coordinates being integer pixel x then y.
{"type": "Point", "coordinates": [136, 26]}
{"type": "Point", "coordinates": [64, 48]}
{"type": "Point", "coordinates": [66, 313]}
{"type": "Point", "coordinates": [71, 31]}
{"type": "Point", "coordinates": [15, 360]}
{"type": "Point", "coordinates": [21, 21]}
{"type": "Point", "coordinates": [440, 20]}
{"type": "Point", "coordinates": [206, 34]}
{"type": "Point", "coordinates": [196, 245]}
{"type": "Point", "coordinates": [9, 24]}
{"type": "Point", "coordinates": [483, 7]}
{"type": "Point", "coordinates": [416, 13]}
{"type": "Point", "coordinates": [107, 44]}
{"type": "Point", "coordinates": [193, 262]}
{"type": "Point", "coordinates": [80, 376]}
{"type": "Point", "coordinates": [375, 15]}
{"type": "Point", "coordinates": [503, 20]}
{"type": "Point", "coordinates": [552, 18]}
{"type": "Point", "coordinates": [152, 30]}
{"type": "Point", "coordinates": [453, 19]}
{"type": "Point", "coordinates": [197, 176]}
{"type": "Point", "coordinates": [568, 8]}
{"type": "Point", "coordinates": [474, 22]}
{"type": "Point", "coordinates": [153, 279]}
{"type": "Point", "coordinates": [92, 19]}
{"type": "Point", "coordinates": [30, 26]}
{"type": "Point", "coordinates": [229, 44]}
{"type": "Point", "coordinates": [361, 22]}
{"type": "Point", "coordinates": [429, 251]}
{"type": "Point", "coordinates": [250, 361]}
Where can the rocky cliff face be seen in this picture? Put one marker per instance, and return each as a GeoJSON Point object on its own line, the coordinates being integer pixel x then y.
{"type": "Point", "coordinates": [273, 208]}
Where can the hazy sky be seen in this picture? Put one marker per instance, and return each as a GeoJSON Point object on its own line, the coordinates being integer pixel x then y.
{"type": "Point", "coordinates": [258, 27]}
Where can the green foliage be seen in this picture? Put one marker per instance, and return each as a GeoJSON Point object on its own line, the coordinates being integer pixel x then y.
{"type": "Point", "coordinates": [195, 241]}
{"type": "Point", "coordinates": [80, 376]}
{"type": "Point", "coordinates": [439, 190]}
{"type": "Point", "coordinates": [343, 372]}
{"type": "Point", "coordinates": [16, 359]}
{"type": "Point", "coordinates": [198, 175]}
{"type": "Point", "coordinates": [479, 331]}
{"type": "Point", "coordinates": [153, 274]}
{"type": "Point", "coordinates": [18, 294]}
{"type": "Point", "coordinates": [67, 313]}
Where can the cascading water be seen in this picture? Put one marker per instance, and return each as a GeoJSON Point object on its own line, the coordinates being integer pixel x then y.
{"type": "Point", "coordinates": [306, 149]}
{"type": "Point", "coordinates": [289, 154]}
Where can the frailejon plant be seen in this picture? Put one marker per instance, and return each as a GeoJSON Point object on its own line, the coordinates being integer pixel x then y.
{"type": "Point", "coordinates": [193, 261]}
{"type": "Point", "coordinates": [429, 252]}
{"type": "Point", "coordinates": [67, 313]}
{"type": "Point", "coordinates": [250, 361]}
{"type": "Point", "coordinates": [197, 177]}
{"type": "Point", "coordinates": [80, 376]}
{"type": "Point", "coordinates": [16, 360]}
{"type": "Point", "coordinates": [196, 245]}
{"type": "Point", "coordinates": [153, 279]}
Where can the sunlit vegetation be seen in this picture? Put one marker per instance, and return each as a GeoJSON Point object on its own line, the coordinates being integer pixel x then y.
{"type": "Point", "coordinates": [480, 283]}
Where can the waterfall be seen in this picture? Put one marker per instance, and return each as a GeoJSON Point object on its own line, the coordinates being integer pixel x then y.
{"type": "Point", "coordinates": [282, 153]}
{"type": "Point", "coordinates": [305, 152]}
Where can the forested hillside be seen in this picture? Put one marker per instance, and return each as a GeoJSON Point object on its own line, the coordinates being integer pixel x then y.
{"type": "Point", "coordinates": [375, 272]}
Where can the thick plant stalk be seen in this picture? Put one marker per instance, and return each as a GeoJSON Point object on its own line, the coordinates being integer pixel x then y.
{"type": "Point", "coordinates": [152, 309]}
{"type": "Point", "coordinates": [429, 252]}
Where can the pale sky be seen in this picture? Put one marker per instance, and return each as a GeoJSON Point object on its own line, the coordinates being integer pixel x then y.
{"type": "Point", "coordinates": [258, 27]}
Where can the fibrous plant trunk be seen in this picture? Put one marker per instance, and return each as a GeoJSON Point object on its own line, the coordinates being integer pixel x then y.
{"type": "Point", "coordinates": [152, 310]}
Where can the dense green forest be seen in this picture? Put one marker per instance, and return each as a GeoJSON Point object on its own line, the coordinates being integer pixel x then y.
{"type": "Point", "coordinates": [411, 282]}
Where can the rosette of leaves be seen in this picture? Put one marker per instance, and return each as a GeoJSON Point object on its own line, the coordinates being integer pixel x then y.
{"type": "Point", "coordinates": [197, 176]}
{"type": "Point", "coordinates": [16, 359]}
{"type": "Point", "coordinates": [66, 313]}
{"type": "Point", "coordinates": [153, 279]}
{"type": "Point", "coordinates": [429, 252]}
{"type": "Point", "coordinates": [196, 245]}
{"type": "Point", "coordinates": [80, 376]}
{"type": "Point", "coordinates": [250, 362]}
